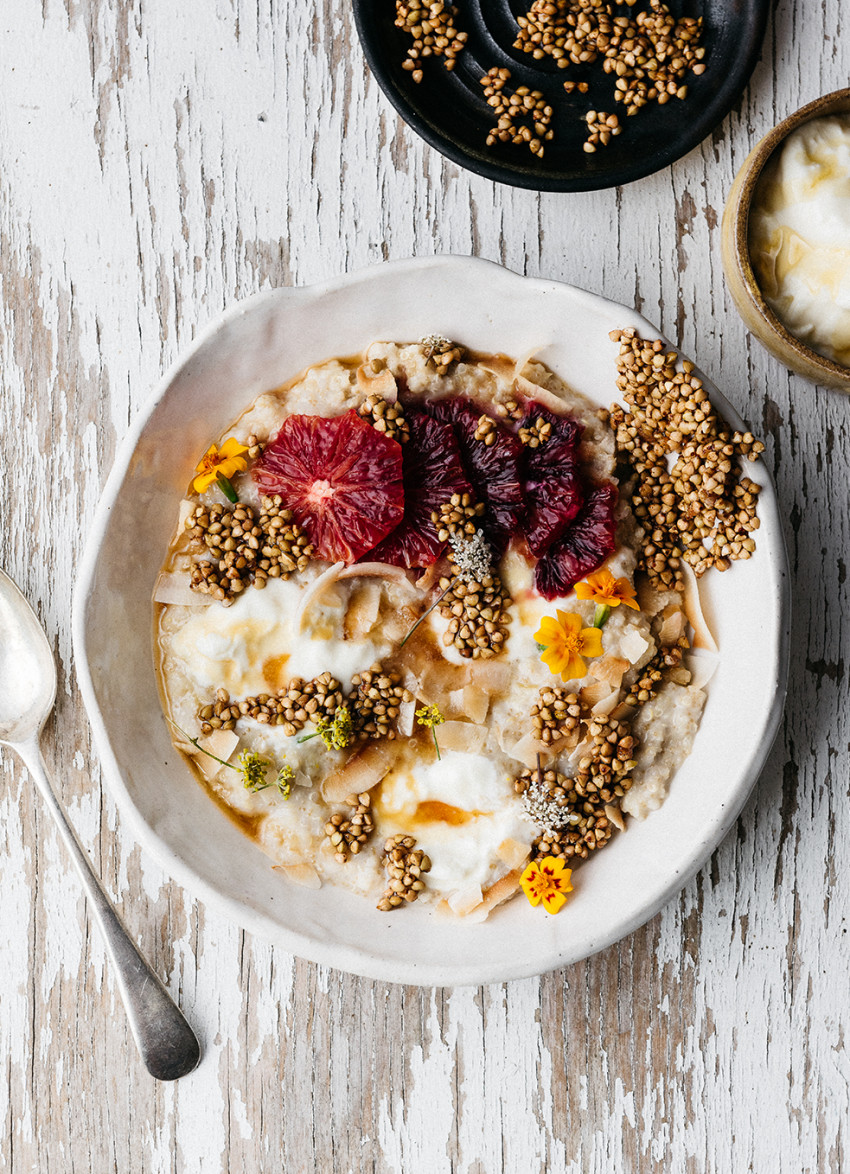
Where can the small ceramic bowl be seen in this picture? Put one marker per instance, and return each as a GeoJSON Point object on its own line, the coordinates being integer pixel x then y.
{"type": "Point", "coordinates": [757, 315]}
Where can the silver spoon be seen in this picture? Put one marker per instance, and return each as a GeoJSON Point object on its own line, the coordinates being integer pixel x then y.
{"type": "Point", "coordinates": [165, 1040]}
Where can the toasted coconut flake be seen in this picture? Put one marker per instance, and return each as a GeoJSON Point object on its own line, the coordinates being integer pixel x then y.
{"type": "Point", "coordinates": [514, 853]}
{"type": "Point", "coordinates": [406, 717]}
{"type": "Point", "coordinates": [606, 705]}
{"type": "Point", "coordinates": [469, 702]}
{"type": "Point", "coordinates": [363, 608]}
{"type": "Point", "coordinates": [673, 627]}
{"type": "Point", "coordinates": [633, 645]}
{"type": "Point", "coordinates": [693, 610]}
{"type": "Point", "coordinates": [316, 588]}
{"type": "Point", "coordinates": [463, 736]}
{"type": "Point", "coordinates": [380, 383]}
{"type": "Point", "coordinates": [651, 600]}
{"type": "Point", "coordinates": [592, 694]}
{"type": "Point", "coordinates": [463, 901]}
{"type": "Point", "coordinates": [499, 365]}
{"type": "Point", "coordinates": [528, 747]}
{"type": "Point", "coordinates": [616, 817]}
{"type": "Point", "coordinates": [441, 678]}
{"type": "Point", "coordinates": [547, 398]}
{"type": "Point", "coordinates": [361, 772]}
{"type": "Point", "coordinates": [395, 575]}
{"type": "Point", "coordinates": [476, 703]}
{"type": "Point", "coordinates": [430, 577]}
{"type": "Point", "coordinates": [609, 669]}
{"type": "Point", "coordinates": [221, 743]}
{"type": "Point", "coordinates": [492, 676]}
{"type": "Point", "coordinates": [523, 361]}
{"type": "Point", "coordinates": [186, 508]}
{"type": "Point", "coordinates": [495, 895]}
{"type": "Point", "coordinates": [300, 874]}
{"type": "Point", "coordinates": [703, 666]}
{"type": "Point", "coordinates": [173, 587]}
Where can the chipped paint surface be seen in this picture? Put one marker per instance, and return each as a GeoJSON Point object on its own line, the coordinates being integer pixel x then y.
{"type": "Point", "coordinates": [157, 162]}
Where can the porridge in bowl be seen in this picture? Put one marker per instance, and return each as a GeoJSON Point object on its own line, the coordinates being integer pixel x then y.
{"type": "Point", "coordinates": [429, 625]}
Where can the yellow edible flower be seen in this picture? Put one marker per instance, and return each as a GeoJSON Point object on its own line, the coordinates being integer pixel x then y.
{"type": "Point", "coordinates": [547, 880]}
{"type": "Point", "coordinates": [566, 643]}
{"type": "Point", "coordinates": [226, 461]}
{"type": "Point", "coordinates": [430, 717]}
{"type": "Point", "coordinates": [603, 588]}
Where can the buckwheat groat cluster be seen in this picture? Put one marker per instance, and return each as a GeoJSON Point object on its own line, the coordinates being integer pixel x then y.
{"type": "Point", "coordinates": [405, 865]}
{"type": "Point", "coordinates": [703, 510]}
{"type": "Point", "coordinates": [245, 548]}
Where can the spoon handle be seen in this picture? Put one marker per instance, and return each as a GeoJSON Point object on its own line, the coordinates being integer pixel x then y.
{"type": "Point", "coordinates": [165, 1040]}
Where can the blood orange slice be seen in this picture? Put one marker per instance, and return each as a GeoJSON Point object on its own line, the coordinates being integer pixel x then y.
{"type": "Point", "coordinates": [551, 481]}
{"type": "Point", "coordinates": [584, 546]}
{"type": "Point", "coordinates": [341, 479]}
{"type": "Point", "coordinates": [493, 469]}
{"type": "Point", "coordinates": [432, 473]}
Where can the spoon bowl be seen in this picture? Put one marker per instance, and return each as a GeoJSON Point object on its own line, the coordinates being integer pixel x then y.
{"type": "Point", "coordinates": [27, 668]}
{"type": "Point", "coordinates": [165, 1040]}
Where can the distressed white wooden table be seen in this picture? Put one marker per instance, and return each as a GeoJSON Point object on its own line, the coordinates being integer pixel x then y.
{"type": "Point", "coordinates": [157, 162]}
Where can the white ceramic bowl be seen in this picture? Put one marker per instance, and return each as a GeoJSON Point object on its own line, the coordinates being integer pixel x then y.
{"type": "Point", "coordinates": [260, 344]}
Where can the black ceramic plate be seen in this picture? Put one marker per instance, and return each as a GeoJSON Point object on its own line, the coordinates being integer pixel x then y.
{"type": "Point", "coordinates": [450, 112]}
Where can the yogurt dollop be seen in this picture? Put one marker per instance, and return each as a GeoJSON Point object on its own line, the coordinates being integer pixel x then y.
{"type": "Point", "coordinates": [799, 235]}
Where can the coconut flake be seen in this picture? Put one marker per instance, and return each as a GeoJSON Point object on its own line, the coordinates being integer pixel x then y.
{"type": "Point", "coordinates": [476, 703]}
{"type": "Point", "coordinates": [316, 588]}
{"type": "Point", "coordinates": [547, 398]}
{"type": "Point", "coordinates": [693, 610]}
{"type": "Point", "coordinates": [609, 669]}
{"type": "Point", "coordinates": [633, 645]}
{"type": "Point", "coordinates": [500, 366]}
{"type": "Point", "coordinates": [616, 816]}
{"type": "Point", "coordinates": [528, 747]}
{"type": "Point", "coordinates": [362, 612]}
{"type": "Point", "coordinates": [406, 716]}
{"type": "Point", "coordinates": [523, 361]}
{"type": "Point", "coordinates": [490, 675]}
{"type": "Point", "coordinates": [463, 901]}
{"type": "Point", "coordinates": [703, 665]}
{"type": "Point", "coordinates": [495, 895]}
{"type": "Point", "coordinates": [380, 570]}
{"type": "Point", "coordinates": [673, 626]}
{"type": "Point", "coordinates": [173, 587]}
{"type": "Point", "coordinates": [380, 383]}
{"type": "Point", "coordinates": [606, 705]}
{"type": "Point", "coordinates": [361, 772]}
{"type": "Point", "coordinates": [467, 737]}
{"type": "Point", "coordinates": [592, 694]}
{"type": "Point", "coordinates": [514, 853]}
{"type": "Point", "coordinates": [221, 743]}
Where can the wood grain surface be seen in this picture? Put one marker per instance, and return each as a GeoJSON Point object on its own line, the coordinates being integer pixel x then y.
{"type": "Point", "coordinates": [159, 161]}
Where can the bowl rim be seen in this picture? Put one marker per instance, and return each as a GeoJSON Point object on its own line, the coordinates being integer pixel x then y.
{"type": "Point", "coordinates": [704, 122]}
{"type": "Point", "coordinates": [749, 174]}
{"type": "Point", "coordinates": [339, 955]}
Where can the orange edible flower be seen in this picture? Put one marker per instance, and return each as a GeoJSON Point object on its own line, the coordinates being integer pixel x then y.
{"type": "Point", "coordinates": [603, 588]}
{"type": "Point", "coordinates": [547, 880]}
{"type": "Point", "coordinates": [567, 643]}
{"type": "Point", "coordinates": [226, 461]}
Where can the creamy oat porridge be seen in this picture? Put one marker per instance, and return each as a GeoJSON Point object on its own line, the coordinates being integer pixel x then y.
{"type": "Point", "coordinates": [426, 628]}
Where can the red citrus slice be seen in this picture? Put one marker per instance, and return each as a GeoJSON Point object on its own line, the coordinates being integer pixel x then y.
{"type": "Point", "coordinates": [432, 473]}
{"type": "Point", "coordinates": [583, 547]}
{"type": "Point", "coordinates": [493, 469]}
{"type": "Point", "coordinates": [341, 479]}
{"type": "Point", "coordinates": [551, 480]}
